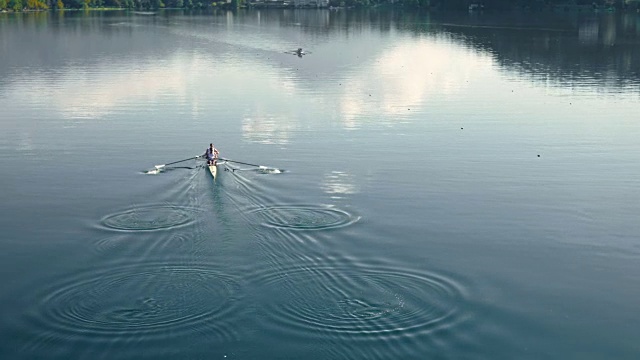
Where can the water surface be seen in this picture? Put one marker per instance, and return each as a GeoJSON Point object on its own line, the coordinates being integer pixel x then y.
{"type": "Point", "coordinates": [455, 185]}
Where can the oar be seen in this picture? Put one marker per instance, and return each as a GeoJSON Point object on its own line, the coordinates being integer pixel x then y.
{"type": "Point", "coordinates": [240, 162]}
{"type": "Point", "coordinates": [256, 165]}
{"type": "Point", "coordinates": [175, 162]}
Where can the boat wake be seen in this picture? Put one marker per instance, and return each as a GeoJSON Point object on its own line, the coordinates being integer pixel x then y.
{"type": "Point", "coordinates": [261, 169]}
{"type": "Point", "coordinates": [157, 171]}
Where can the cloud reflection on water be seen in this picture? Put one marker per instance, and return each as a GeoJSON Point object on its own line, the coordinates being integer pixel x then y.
{"type": "Point", "coordinates": [412, 72]}
{"type": "Point", "coordinates": [85, 93]}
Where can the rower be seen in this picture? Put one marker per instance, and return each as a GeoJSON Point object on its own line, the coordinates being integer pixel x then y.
{"type": "Point", "coordinates": [299, 52]}
{"type": "Point", "coordinates": [211, 154]}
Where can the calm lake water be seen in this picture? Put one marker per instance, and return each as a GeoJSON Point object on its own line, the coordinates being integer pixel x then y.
{"type": "Point", "coordinates": [456, 186]}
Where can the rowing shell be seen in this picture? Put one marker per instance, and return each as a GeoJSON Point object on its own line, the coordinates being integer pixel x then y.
{"type": "Point", "coordinates": [214, 171]}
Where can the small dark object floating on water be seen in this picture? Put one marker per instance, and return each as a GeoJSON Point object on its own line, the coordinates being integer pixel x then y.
{"type": "Point", "coordinates": [298, 52]}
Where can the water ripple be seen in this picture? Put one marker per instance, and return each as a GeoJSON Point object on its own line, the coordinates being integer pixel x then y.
{"type": "Point", "coordinates": [148, 301]}
{"type": "Point", "coordinates": [305, 217]}
{"type": "Point", "coordinates": [377, 303]}
{"type": "Point", "coordinates": [150, 218]}
{"type": "Point", "coordinates": [124, 245]}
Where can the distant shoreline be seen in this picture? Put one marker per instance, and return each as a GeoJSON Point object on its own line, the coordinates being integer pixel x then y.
{"type": "Point", "coordinates": [262, 5]}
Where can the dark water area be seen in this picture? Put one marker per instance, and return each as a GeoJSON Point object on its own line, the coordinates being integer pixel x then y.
{"type": "Point", "coordinates": [458, 186]}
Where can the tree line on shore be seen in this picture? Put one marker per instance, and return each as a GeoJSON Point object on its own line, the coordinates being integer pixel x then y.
{"type": "Point", "coordinates": [22, 5]}
{"type": "Point", "coordinates": [35, 5]}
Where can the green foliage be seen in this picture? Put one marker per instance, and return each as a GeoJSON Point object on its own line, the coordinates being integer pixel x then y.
{"type": "Point", "coordinates": [34, 4]}
{"type": "Point", "coordinates": [74, 4]}
{"type": "Point", "coordinates": [16, 5]}
{"type": "Point", "coordinates": [3, 4]}
{"type": "Point", "coordinates": [59, 5]}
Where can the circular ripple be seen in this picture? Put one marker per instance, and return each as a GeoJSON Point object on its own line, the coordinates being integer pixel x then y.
{"type": "Point", "coordinates": [111, 243]}
{"type": "Point", "coordinates": [126, 242]}
{"type": "Point", "coordinates": [381, 302]}
{"type": "Point", "coordinates": [305, 217]}
{"type": "Point", "coordinates": [150, 218]}
{"type": "Point", "coordinates": [145, 300]}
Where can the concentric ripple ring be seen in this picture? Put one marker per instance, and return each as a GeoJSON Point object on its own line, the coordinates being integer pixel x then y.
{"type": "Point", "coordinates": [148, 300]}
{"type": "Point", "coordinates": [364, 302]}
{"type": "Point", "coordinates": [150, 218]}
{"type": "Point", "coordinates": [305, 217]}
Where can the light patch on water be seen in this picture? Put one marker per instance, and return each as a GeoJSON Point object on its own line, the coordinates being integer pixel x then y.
{"type": "Point", "coordinates": [129, 85]}
{"type": "Point", "coordinates": [263, 128]}
{"type": "Point", "coordinates": [412, 73]}
{"type": "Point", "coordinates": [339, 183]}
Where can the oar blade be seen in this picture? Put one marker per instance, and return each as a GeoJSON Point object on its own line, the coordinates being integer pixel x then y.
{"type": "Point", "coordinates": [269, 170]}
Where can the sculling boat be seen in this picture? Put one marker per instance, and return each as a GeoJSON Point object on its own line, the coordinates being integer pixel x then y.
{"type": "Point", "coordinates": [214, 171]}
